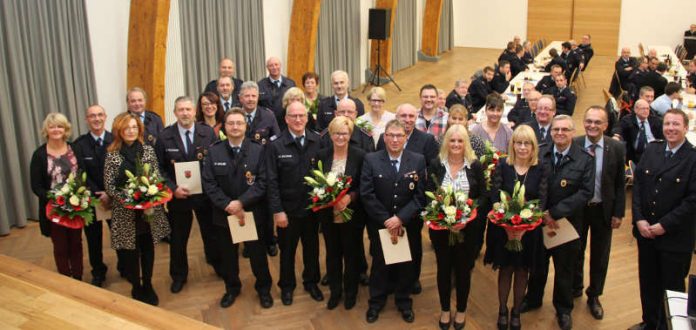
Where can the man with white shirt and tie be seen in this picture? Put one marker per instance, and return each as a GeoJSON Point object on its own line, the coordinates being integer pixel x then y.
{"type": "Point", "coordinates": [225, 88]}
{"type": "Point", "coordinates": [638, 129]}
{"type": "Point", "coordinates": [340, 83]}
{"type": "Point", "coordinates": [273, 87]}
{"type": "Point", "coordinates": [136, 99]}
{"type": "Point", "coordinates": [541, 124]}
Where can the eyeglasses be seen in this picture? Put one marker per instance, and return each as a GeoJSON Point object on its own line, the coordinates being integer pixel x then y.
{"type": "Point", "coordinates": [395, 136]}
{"type": "Point", "coordinates": [593, 122]}
{"type": "Point", "coordinates": [523, 143]}
{"type": "Point", "coordinates": [376, 101]}
{"type": "Point", "coordinates": [561, 129]}
{"type": "Point", "coordinates": [206, 104]}
{"type": "Point", "coordinates": [297, 116]}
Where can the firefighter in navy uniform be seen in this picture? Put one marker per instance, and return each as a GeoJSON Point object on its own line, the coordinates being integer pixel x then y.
{"type": "Point", "coordinates": [234, 178]}
{"type": "Point", "coordinates": [290, 158]}
{"type": "Point", "coordinates": [565, 98]}
{"type": "Point", "coordinates": [185, 141]}
{"type": "Point", "coordinates": [136, 100]}
{"type": "Point", "coordinates": [664, 203]}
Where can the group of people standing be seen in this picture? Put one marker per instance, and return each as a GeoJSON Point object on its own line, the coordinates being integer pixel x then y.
{"type": "Point", "coordinates": [255, 143]}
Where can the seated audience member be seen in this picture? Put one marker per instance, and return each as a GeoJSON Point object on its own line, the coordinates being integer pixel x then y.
{"type": "Point", "coordinates": [690, 42]}
{"type": "Point", "coordinates": [555, 60]}
{"type": "Point", "coordinates": [665, 101]}
{"type": "Point", "coordinates": [565, 98]}
{"type": "Point", "coordinates": [655, 79]}
{"type": "Point", "coordinates": [517, 63]}
{"type": "Point", "coordinates": [480, 88]}
{"type": "Point", "coordinates": [638, 129]}
{"type": "Point", "coordinates": [520, 104]}
{"type": "Point", "coordinates": [691, 78]}
{"type": "Point", "coordinates": [508, 52]}
{"type": "Point", "coordinates": [527, 58]}
{"type": "Point", "coordinates": [577, 57]}
{"type": "Point", "coordinates": [459, 95]}
{"type": "Point", "coordinates": [623, 68]}
{"type": "Point", "coordinates": [586, 47]}
{"type": "Point", "coordinates": [501, 79]}
{"type": "Point", "coordinates": [549, 81]}
{"type": "Point", "coordinates": [637, 79]}
{"type": "Point", "coordinates": [522, 115]}
{"type": "Point", "coordinates": [227, 69]}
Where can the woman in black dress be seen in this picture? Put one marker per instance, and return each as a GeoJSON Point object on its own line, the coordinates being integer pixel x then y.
{"type": "Point", "coordinates": [458, 167]}
{"type": "Point", "coordinates": [522, 164]}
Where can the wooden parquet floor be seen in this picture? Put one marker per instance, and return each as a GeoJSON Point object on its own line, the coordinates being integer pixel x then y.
{"type": "Point", "coordinates": [200, 297]}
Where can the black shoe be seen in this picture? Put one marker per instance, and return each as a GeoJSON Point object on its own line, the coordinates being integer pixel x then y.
{"type": "Point", "coordinates": [266, 300]}
{"type": "Point", "coordinates": [177, 285]}
{"type": "Point", "coordinates": [272, 250]}
{"type": "Point", "coordinates": [564, 321]}
{"type": "Point", "coordinates": [314, 292]}
{"type": "Point", "coordinates": [286, 297]}
{"type": "Point", "coordinates": [364, 279]}
{"type": "Point", "coordinates": [639, 326]}
{"type": "Point", "coordinates": [333, 302]}
{"type": "Point", "coordinates": [526, 306]}
{"type": "Point", "coordinates": [98, 281]}
{"type": "Point", "coordinates": [137, 293]}
{"type": "Point", "coordinates": [324, 280]}
{"type": "Point", "coordinates": [503, 320]}
{"type": "Point", "coordinates": [515, 321]}
{"type": "Point", "coordinates": [166, 239]}
{"type": "Point", "coordinates": [349, 303]}
{"type": "Point", "coordinates": [577, 293]}
{"type": "Point", "coordinates": [417, 288]}
{"type": "Point", "coordinates": [227, 300]}
{"type": "Point", "coordinates": [372, 315]}
{"type": "Point", "coordinates": [595, 307]}
{"type": "Point", "coordinates": [122, 274]}
{"type": "Point", "coordinates": [149, 295]}
{"type": "Point", "coordinates": [444, 325]}
{"type": "Point", "coordinates": [459, 326]}
{"type": "Point", "coordinates": [245, 252]}
{"type": "Point", "coordinates": [407, 315]}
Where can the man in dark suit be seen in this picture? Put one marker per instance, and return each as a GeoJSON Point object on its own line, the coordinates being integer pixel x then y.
{"type": "Point", "coordinates": [501, 79]}
{"type": "Point", "coordinates": [586, 47]}
{"type": "Point", "coordinates": [575, 58]}
{"type": "Point", "coordinates": [656, 80]}
{"type": "Point", "coordinates": [272, 89]}
{"type": "Point", "coordinates": [624, 66]}
{"type": "Point", "coordinates": [234, 178]}
{"type": "Point", "coordinates": [392, 190]}
{"type": "Point", "coordinates": [92, 146]}
{"type": "Point", "coordinates": [605, 210]}
{"type": "Point", "coordinates": [508, 52]}
{"type": "Point", "coordinates": [549, 81]}
{"type": "Point", "coordinates": [555, 60]}
{"type": "Point", "coordinates": [136, 100]}
{"type": "Point", "coordinates": [637, 130]}
{"type": "Point", "coordinates": [565, 98]}
{"type": "Point", "coordinates": [459, 95]}
{"type": "Point", "coordinates": [327, 106]}
{"type": "Point", "coordinates": [182, 142]}
{"type": "Point", "coordinates": [480, 88]}
{"type": "Point", "coordinates": [664, 203]}
{"type": "Point", "coordinates": [690, 42]}
{"type": "Point", "coordinates": [227, 69]}
{"type": "Point", "coordinates": [290, 158]}
{"type": "Point", "coordinates": [545, 111]}
{"type": "Point", "coordinates": [229, 96]}
{"type": "Point", "coordinates": [570, 187]}
{"type": "Point", "coordinates": [525, 106]}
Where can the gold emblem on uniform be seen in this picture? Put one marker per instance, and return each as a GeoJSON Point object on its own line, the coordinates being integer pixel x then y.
{"type": "Point", "coordinates": [150, 137]}
{"type": "Point", "coordinates": [564, 183]}
{"type": "Point", "coordinates": [263, 141]}
{"type": "Point", "coordinates": [411, 186]}
{"type": "Point", "coordinates": [199, 156]}
{"type": "Point", "coordinates": [249, 177]}
{"type": "Point", "coordinates": [415, 177]}
{"type": "Point", "coordinates": [257, 136]}
{"type": "Point", "coordinates": [678, 180]}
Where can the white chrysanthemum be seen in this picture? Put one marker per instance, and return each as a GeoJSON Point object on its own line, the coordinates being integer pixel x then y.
{"type": "Point", "coordinates": [331, 179]}
{"type": "Point", "coordinates": [143, 189]}
{"type": "Point", "coordinates": [65, 189]}
{"type": "Point", "coordinates": [450, 211]}
{"type": "Point", "coordinates": [152, 190]}
{"type": "Point", "coordinates": [526, 214]}
{"type": "Point", "coordinates": [74, 200]}
{"type": "Point", "coordinates": [321, 192]}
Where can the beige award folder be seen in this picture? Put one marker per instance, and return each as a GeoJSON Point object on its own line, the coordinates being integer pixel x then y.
{"type": "Point", "coordinates": [242, 233]}
{"type": "Point", "coordinates": [561, 235]}
{"type": "Point", "coordinates": [188, 175]}
{"type": "Point", "coordinates": [394, 253]}
{"type": "Point", "coordinates": [102, 212]}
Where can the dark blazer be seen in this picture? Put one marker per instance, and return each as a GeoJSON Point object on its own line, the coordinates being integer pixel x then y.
{"type": "Point", "coordinates": [655, 80]}
{"type": "Point", "coordinates": [588, 53]}
{"type": "Point", "coordinates": [353, 169]}
{"type": "Point", "coordinates": [153, 126]}
{"type": "Point", "coordinates": [287, 167]}
{"type": "Point", "coordinates": [629, 129]}
{"type": "Point", "coordinates": [570, 186]}
{"type": "Point", "coordinates": [226, 177]}
{"type": "Point", "coordinates": [327, 110]}
{"type": "Point", "coordinates": [358, 139]}
{"type": "Point", "coordinates": [271, 96]}
{"type": "Point", "coordinates": [212, 87]}
{"type": "Point", "coordinates": [420, 143]}
{"type": "Point", "coordinates": [520, 113]}
{"type": "Point", "coordinates": [454, 98]}
{"type": "Point", "coordinates": [556, 60]}
{"type": "Point", "coordinates": [664, 191]}
{"type": "Point", "coordinates": [41, 181]}
{"type": "Point", "coordinates": [93, 158]}
{"type": "Point", "coordinates": [542, 142]}
{"type": "Point", "coordinates": [499, 83]}
{"type": "Point", "coordinates": [385, 194]}
{"type": "Point", "coordinates": [517, 65]}
{"type": "Point", "coordinates": [264, 126]}
{"type": "Point", "coordinates": [620, 67]}
{"type": "Point", "coordinates": [565, 100]}
{"type": "Point", "coordinates": [170, 150]}
{"type": "Point", "coordinates": [479, 90]}
{"type": "Point", "coordinates": [613, 177]}
{"type": "Point", "coordinates": [545, 84]}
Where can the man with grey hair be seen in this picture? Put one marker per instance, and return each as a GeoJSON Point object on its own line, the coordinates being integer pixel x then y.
{"type": "Point", "coordinates": [226, 90]}
{"type": "Point", "coordinates": [460, 95]}
{"type": "Point", "coordinates": [227, 69]}
{"type": "Point", "coordinates": [273, 87]}
{"type": "Point", "coordinates": [340, 83]}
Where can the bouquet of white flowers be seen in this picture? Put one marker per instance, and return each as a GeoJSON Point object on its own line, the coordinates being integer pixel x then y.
{"type": "Point", "coordinates": [145, 190]}
{"type": "Point", "coordinates": [449, 210]}
{"type": "Point", "coordinates": [327, 190]}
{"type": "Point", "coordinates": [70, 203]}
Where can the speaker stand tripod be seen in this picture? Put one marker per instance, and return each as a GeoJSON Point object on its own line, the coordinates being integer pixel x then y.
{"type": "Point", "coordinates": [375, 80]}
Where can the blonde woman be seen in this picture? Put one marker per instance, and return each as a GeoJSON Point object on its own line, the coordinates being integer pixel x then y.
{"type": "Point", "coordinates": [378, 116]}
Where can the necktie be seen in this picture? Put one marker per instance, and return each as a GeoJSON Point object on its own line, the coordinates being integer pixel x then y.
{"type": "Point", "coordinates": [298, 141]}
{"type": "Point", "coordinates": [188, 145]}
{"type": "Point", "coordinates": [227, 105]}
{"type": "Point", "coordinates": [393, 164]}
{"type": "Point", "coordinates": [642, 138]}
{"type": "Point", "coordinates": [277, 83]}
{"type": "Point", "coordinates": [669, 154]}
{"type": "Point", "coordinates": [99, 142]}
{"type": "Point", "coordinates": [543, 133]}
{"type": "Point", "coordinates": [235, 151]}
{"type": "Point", "coordinates": [559, 157]}
{"type": "Point", "coordinates": [591, 149]}
{"type": "Point", "coordinates": [248, 117]}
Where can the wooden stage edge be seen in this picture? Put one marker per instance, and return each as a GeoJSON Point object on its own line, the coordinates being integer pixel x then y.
{"type": "Point", "coordinates": [33, 297]}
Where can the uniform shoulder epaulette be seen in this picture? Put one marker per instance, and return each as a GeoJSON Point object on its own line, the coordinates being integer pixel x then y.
{"type": "Point", "coordinates": [219, 141]}
{"type": "Point", "coordinates": [153, 113]}
{"type": "Point", "coordinates": [323, 132]}
{"type": "Point", "coordinates": [273, 138]}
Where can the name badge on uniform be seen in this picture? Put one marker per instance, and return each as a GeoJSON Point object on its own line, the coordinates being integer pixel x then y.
{"type": "Point", "coordinates": [250, 178]}
{"type": "Point", "coordinates": [89, 158]}
{"type": "Point", "coordinates": [564, 183]}
{"type": "Point", "coordinates": [284, 156]}
{"type": "Point", "coordinates": [172, 150]}
{"type": "Point", "coordinates": [220, 164]}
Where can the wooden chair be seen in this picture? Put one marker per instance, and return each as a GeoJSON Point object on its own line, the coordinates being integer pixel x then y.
{"type": "Point", "coordinates": [607, 95]}
{"type": "Point", "coordinates": [574, 84]}
{"type": "Point", "coordinates": [641, 49]}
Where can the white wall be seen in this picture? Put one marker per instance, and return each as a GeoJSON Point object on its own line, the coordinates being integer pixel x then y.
{"type": "Point", "coordinates": [489, 24]}
{"type": "Point", "coordinates": [108, 34]}
{"type": "Point", "coordinates": [276, 26]}
{"type": "Point", "coordinates": [657, 24]}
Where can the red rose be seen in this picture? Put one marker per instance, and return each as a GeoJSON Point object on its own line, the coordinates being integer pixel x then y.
{"type": "Point", "coordinates": [458, 215]}
{"type": "Point", "coordinates": [160, 186]}
{"type": "Point", "coordinates": [315, 199]}
{"type": "Point", "coordinates": [516, 219]}
{"type": "Point", "coordinates": [329, 189]}
{"type": "Point", "coordinates": [77, 208]}
{"type": "Point", "coordinates": [440, 216]}
{"type": "Point", "coordinates": [499, 216]}
{"type": "Point", "coordinates": [349, 180]}
{"type": "Point", "coordinates": [136, 195]}
{"type": "Point", "coordinates": [60, 200]}
{"type": "Point", "coordinates": [470, 202]}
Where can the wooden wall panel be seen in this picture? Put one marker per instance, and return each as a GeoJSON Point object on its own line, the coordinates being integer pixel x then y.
{"type": "Point", "coordinates": [147, 49]}
{"type": "Point", "coordinates": [431, 27]}
{"type": "Point", "coordinates": [549, 19]}
{"type": "Point", "coordinates": [302, 42]}
{"type": "Point", "coordinates": [385, 45]}
{"type": "Point", "coordinates": [601, 19]}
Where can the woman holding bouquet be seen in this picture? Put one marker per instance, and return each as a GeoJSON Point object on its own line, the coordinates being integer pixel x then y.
{"type": "Point", "coordinates": [458, 114]}
{"type": "Point", "coordinates": [51, 164]}
{"type": "Point", "coordinates": [521, 165]}
{"type": "Point", "coordinates": [131, 234]}
{"type": "Point", "coordinates": [456, 167]}
{"type": "Point", "coordinates": [342, 236]}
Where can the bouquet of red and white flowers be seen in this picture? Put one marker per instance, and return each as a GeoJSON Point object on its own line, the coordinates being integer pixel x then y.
{"type": "Point", "coordinates": [70, 204]}
{"type": "Point", "coordinates": [449, 210]}
{"type": "Point", "coordinates": [516, 216]}
{"type": "Point", "coordinates": [145, 190]}
{"type": "Point", "coordinates": [328, 190]}
{"type": "Point", "coordinates": [489, 160]}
